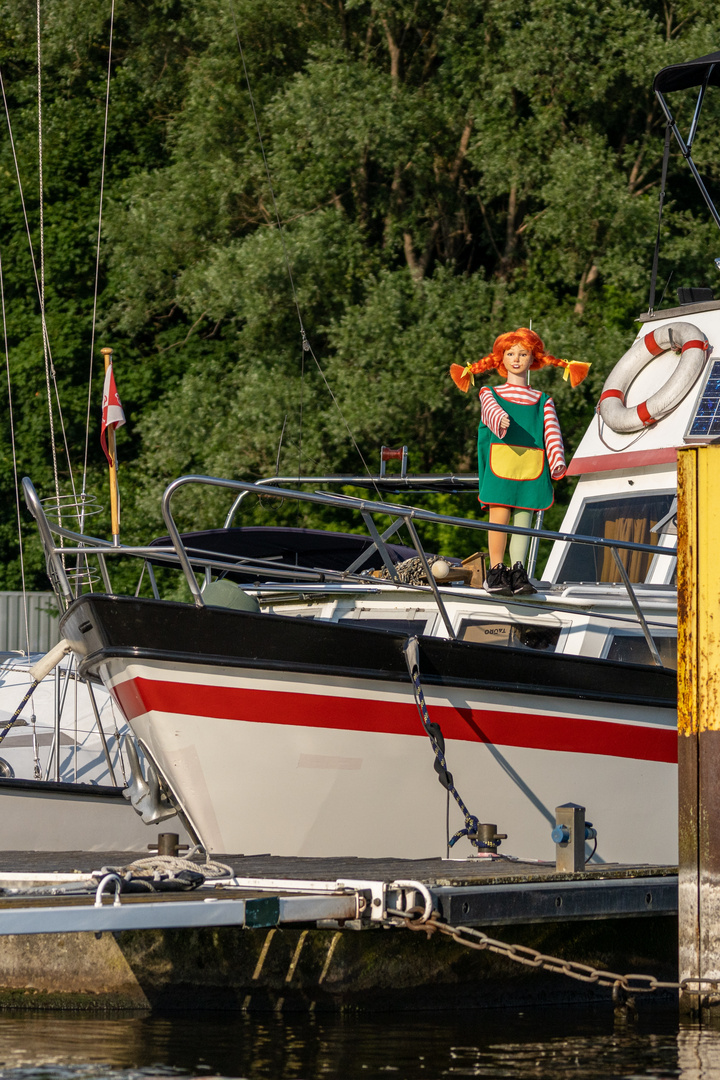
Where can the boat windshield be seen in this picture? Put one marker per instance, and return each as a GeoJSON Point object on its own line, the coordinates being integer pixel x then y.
{"type": "Point", "coordinates": [630, 518]}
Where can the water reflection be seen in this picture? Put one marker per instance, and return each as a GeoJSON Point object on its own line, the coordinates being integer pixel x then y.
{"type": "Point", "coordinates": [552, 1045]}
{"type": "Point", "coordinates": [698, 1053]}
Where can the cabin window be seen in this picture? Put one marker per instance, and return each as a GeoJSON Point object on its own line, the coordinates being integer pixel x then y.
{"type": "Point", "coordinates": [631, 519]}
{"type": "Point", "coordinates": [542, 638]}
{"type": "Point", "coordinates": [634, 649]}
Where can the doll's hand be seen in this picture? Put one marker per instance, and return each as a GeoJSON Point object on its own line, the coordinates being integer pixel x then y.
{"type": "Point", "coordinates": [504, 425]}
{"type": "Point", "coordinates": [558, 473]}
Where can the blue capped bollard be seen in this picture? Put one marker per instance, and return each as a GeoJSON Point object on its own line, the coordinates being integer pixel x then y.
{"type": "Point", "coordinates": [569, 835]}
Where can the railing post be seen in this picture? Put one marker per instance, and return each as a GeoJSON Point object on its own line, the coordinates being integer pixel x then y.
{"type": "Point", "coordinates": [698, 721]}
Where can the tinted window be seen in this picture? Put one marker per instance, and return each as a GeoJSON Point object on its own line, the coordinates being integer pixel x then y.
{"type": "Point", "coordinates": [513, 635]}
{"type": "Point", "coordinates": [630, 519]}
{"type": "Point", "coordinates": [634, 649]}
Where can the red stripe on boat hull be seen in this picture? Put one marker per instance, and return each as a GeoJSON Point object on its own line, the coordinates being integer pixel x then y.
{"type": "Point", "coordinates": [537, 731]}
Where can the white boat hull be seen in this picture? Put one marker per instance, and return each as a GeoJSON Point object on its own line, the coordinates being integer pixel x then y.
{"type": "Point", "coordinates": [298, 765]}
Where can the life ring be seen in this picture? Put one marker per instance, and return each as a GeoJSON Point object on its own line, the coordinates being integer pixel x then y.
{"type": "Point", "coordinates": [681, 337]}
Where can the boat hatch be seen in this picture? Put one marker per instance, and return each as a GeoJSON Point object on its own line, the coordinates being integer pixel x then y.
{"type": "Point", "coordinates": [615, 517]}
{"type": "Point", "coordinates": [629, 647]}
{"type": "Point", "coordinates": [542, 636]}
{"type": "Point", "coordinates": [401, 620]}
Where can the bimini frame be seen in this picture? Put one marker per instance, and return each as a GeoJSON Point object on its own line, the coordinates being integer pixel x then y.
{"type": "Point", "coordinates": [700, 73]}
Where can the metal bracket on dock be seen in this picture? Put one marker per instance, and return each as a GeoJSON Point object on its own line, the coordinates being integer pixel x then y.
{"type": "Point", "coordinates": [406, 893]}
{"type": "Point", "coordinates": [109, 879]}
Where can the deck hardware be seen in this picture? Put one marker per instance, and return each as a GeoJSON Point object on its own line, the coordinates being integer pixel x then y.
{"type": "Point", "coordinates": [145, 795]}
{"type": "Point", "coordinates": [406, 900]}
{"type": "Point", "coordinates": [487, 838]}
{"type": "Point", "coordinates": [569, 835]}
{"type": "Point", "coordinates": [109, 879]}
{"type": "Point", "coordinates": [168, 844]}
{"type": "Point", "coordinates": [388, 454]}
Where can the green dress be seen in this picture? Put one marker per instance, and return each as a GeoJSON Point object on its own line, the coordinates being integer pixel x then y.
{"type": "Point", "coordinates": [514, 471]}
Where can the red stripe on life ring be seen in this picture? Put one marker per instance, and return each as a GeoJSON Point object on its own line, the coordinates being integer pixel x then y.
{"type": "Point", "coordinates": [695, 345]}
{"type": "Point", "coordinates": [612, 393]}
{"type": "Point", "coordinates": [644, 415]}
{"type": "Point", "coordinates": [651, 344]}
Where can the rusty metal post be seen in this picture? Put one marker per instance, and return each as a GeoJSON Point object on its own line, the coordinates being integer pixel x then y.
{"type": "Point", "coordinates": [698, 721]}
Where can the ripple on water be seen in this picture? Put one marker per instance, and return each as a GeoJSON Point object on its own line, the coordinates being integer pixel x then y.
{"type": "Point", "coordinates": [553, 1044]}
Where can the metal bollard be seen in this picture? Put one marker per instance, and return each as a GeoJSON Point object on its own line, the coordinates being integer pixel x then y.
{"type": "Point", "coordinates": [488, 838]}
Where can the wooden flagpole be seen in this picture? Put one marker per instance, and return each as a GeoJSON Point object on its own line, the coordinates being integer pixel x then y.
{"type": "Point", "coordinates": [110, 435]}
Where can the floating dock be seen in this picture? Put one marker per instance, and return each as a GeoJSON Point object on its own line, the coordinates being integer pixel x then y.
{"type": "Point", "coordinates": [300, 933]}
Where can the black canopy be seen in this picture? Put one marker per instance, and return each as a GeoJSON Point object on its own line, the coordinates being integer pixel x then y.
{"type": "Point", "coordinates": [688, 74]}
{"type": "Point", "coordinates": [310, 548]}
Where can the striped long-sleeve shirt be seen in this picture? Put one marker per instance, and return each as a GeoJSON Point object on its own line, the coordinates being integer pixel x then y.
{"type": "Point", "coordinates": [491, 415]}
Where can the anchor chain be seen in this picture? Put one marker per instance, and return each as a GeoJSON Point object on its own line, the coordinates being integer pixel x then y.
{"type": "Point", "coordinates": [633, 983]}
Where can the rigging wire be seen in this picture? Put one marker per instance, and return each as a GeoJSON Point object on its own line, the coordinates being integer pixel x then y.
{"type": "Point", "coordinates": [306, 346]}
{"type": "Point", "coordinates": [14, 459]}
{"type": "Point", "coordinates": [97, 263]}
{"type": "Point", "coordinates": [46, 341]}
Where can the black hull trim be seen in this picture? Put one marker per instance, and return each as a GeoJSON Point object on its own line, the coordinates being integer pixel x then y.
{"type": "Point", "coordinates": [104, 627]}
{"type": "Point", "coordinates": [60, 787]}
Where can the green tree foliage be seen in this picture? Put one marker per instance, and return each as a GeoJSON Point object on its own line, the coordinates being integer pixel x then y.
{"type": "Point", "coordinates": [442, 171]}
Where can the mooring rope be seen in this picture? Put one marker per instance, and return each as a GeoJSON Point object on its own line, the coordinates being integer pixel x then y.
{"type": "Point", "coordinates": [169, 866]}
{"type": "Point", "coordinates": [411, 650]}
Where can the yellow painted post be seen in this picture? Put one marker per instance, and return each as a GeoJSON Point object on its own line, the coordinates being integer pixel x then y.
{"type": "Point", "coordinates": [698, 719]}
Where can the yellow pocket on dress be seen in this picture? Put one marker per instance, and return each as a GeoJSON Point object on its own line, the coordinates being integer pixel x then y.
{"type": "Point", "coordinates": [516, 462]}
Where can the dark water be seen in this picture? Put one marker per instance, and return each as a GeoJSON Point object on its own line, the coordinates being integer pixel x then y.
{"type": "Point", "coordinates": [553, 1045]}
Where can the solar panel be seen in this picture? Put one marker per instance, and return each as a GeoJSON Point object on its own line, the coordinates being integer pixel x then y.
{"type": "Point", "coordinates": [704, 424]}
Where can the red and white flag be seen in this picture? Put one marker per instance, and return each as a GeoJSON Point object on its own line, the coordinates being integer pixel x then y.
{"type": "Point", "coordinates": [112, 410]}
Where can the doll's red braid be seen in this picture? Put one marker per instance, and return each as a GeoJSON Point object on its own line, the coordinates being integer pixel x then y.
{"type": "Point", "coordinates": [463, 376]}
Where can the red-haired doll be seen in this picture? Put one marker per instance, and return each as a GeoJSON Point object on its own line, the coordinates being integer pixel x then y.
{"type": "Point", "coordinates": [520, 447]}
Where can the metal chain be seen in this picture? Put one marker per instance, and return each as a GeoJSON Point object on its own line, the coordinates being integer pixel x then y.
{"type": "Point", "coordinates": [523, 954]}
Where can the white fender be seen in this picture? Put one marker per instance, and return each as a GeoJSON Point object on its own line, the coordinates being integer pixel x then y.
{"type": "Point", "coordinates": [681, 337]}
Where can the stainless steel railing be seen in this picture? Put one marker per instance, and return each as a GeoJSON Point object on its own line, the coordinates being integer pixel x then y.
{"type": "Point", "coordinates": [367, 509]}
